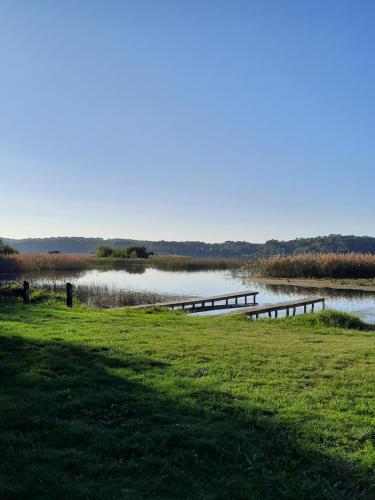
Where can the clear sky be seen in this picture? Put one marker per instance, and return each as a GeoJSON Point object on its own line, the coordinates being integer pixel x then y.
{"type": "Point", "coordinates": [200, 119]}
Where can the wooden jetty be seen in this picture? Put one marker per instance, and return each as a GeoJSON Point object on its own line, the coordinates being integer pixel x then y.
{"type": "Point", "coordinates": [290, 306]}
{"type": "Point", "coordinates": [224, 301]}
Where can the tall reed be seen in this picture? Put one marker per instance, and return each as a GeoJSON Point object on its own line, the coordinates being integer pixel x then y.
{"type": "Point", "coordinates": [44, 262]}
{"type": "Point", "coordinates": [321, 265]}
{"type": "Point", "coordinates": [180, 263]}
{"type": "Point", "coordinates": [98, 296]}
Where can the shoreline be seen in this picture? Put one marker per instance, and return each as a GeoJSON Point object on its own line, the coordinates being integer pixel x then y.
{"type": "Point", "coordinates": [315, 283]}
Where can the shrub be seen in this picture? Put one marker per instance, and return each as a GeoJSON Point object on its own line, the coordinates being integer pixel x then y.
{"type": "Point", "coordinates": [103, 251]}
{"type": "Point", "coordinates": [123, 253]}
{"type": "Point", "coordinates": [139, 252]}
{"type": "Point", "coordinates": [339, 319]}
{"type": "Point", "coordinates": [7, 250]}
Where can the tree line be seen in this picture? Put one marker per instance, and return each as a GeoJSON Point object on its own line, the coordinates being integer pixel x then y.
{"type": "Point", "coordinates": [229, 249]}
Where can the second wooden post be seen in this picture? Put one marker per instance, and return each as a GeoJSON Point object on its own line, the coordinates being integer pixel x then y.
{"type": "Point", "coordinates": [69, 295]}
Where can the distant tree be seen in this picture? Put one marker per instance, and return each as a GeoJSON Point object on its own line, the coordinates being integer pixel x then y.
{"type": "Point", "coordinates": [103, 251]}
{"type": "Point", "coordinates": [138, 252]}
{"type": "Point", "coordinates": [7, 250]}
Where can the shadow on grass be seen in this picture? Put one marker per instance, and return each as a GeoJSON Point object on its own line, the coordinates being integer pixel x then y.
{"type": "Point", "coordinates": [73, 425]}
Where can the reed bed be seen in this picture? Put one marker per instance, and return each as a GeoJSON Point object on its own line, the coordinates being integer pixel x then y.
{"type": "Point", "coordinates": [44, 262]}
{"type": "Point", "coordinates": [105, 297]}
{"type": "Point", "coordinates": [309, 265]}
{"type": "Point", "coordinates": [31, 262]}
{"type": "Point", "coordinates": [180, 263]}
{"type": "Point", "coordinates": [98, 296]}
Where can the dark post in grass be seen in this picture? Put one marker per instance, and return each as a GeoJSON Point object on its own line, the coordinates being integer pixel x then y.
{"type": "Point", "coordinates": [69, 295]}
{"type": "Point", "coordinates": [26, 292]}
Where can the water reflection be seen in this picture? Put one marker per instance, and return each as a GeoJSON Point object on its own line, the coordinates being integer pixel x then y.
{"type": "Point", "coordinates": [204, 283]}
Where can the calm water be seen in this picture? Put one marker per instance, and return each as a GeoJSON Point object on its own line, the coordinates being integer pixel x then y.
{"type": "Point", "coordinates": [204, 283]}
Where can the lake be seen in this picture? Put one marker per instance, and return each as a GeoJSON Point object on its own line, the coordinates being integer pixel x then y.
{"type": "Point", "coordinates": [204, 283]}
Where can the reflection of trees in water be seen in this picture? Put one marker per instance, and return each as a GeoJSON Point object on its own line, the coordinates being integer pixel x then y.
{"type": "Point", "coordinates": [136, 268]}
{"type": "Point", "coordinates": [129, 267]}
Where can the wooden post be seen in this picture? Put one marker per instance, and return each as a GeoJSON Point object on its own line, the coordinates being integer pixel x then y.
{"type": "Point", "coordinates": [69, 295]}
{"type": "Point", "coordinates": [312, 307]}
{"type": "Point", "coordinates": [305, 308]}
{"type": "Point", "coordinates": [287, 311]}
{"type": "Point", "coordinates": [276, 313]}
{"type": "Point", "coordinates": [254, 299]}
{"type": "Point", "coordinates": [324, 304]}
{"type": "Point", "coordinates": [26, 292]}
{"type": "Point", "coordinates": [245, 299]}
{"type": "Point", "coordinates": [294, 311]}
{"type": "Point", "coordinates": [269, 314]}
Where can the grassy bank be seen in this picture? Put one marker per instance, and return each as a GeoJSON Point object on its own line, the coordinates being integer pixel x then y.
{"type": "Point", "coordinates": [327, 265]}
{"type": "Point", "coordinates": [360, 285]}
{"type": "Point", "coordinates": [153, 404]}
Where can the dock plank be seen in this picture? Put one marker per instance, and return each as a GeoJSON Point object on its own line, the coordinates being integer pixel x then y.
{"type": "Point", "coordinates": [277, 307]}
{"type": "Point", "coordinates": [201, 300]}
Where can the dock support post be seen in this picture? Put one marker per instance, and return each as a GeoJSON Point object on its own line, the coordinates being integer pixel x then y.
{"type": "Point", "coordinates": [253, 299]}
{"type": "Point", "coordinates": [245, 299]}
{"type": "Point", "coordinates": [312, 308]}
{"type": "Point", "coordinates": [305, 309]}
{"type": "Point", "coordinates": [276, 313]}
{"type": "Point", "coordinates": [227, 302]}
{"type": "Point", "coordinates": [236, 300]}
{"type": "Point", "coordinates": [69, 295]}
{"type": "Point", "coordinates": [26, 292]}
{"type": "Point", "coordinates": [287, 311]}
{"type": "Point", "coordinates": [294, 311]}
{"type": "Point", "coordinates": [324, 304]}
{"type": "Point", "coordinates": [269, 314]}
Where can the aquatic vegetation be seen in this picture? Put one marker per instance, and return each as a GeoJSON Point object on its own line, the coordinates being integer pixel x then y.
{"type": "Point", "coordinates": [319, 265]}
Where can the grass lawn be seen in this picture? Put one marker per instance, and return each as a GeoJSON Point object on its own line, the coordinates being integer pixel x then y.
{"type": "Point", "coordinates": [133, 404]}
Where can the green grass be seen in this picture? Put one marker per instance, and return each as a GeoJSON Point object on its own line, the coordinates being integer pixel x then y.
{"type": "Point", "coordinates": [128, 404]}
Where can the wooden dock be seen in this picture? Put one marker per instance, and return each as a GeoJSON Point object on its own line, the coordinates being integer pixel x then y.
{"type": "Point", "coordinates": [289, 307]}
{"type": "Point", "coordinates": [224, 301]}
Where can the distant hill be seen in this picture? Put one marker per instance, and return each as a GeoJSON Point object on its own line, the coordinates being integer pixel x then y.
{"type": "Point", "coordinates": [234, 249]}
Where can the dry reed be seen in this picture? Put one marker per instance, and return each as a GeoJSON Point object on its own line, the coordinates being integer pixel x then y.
{"type": "Point", "coordinates": [44, 262]}
{"type": "Point", "coordinates": [322, 265]}
{"type": "Point", "coordinates": [180, 263]}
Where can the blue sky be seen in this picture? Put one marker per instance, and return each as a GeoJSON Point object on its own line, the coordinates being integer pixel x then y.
{"type": "Point", "coordinates": [205, 120]}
